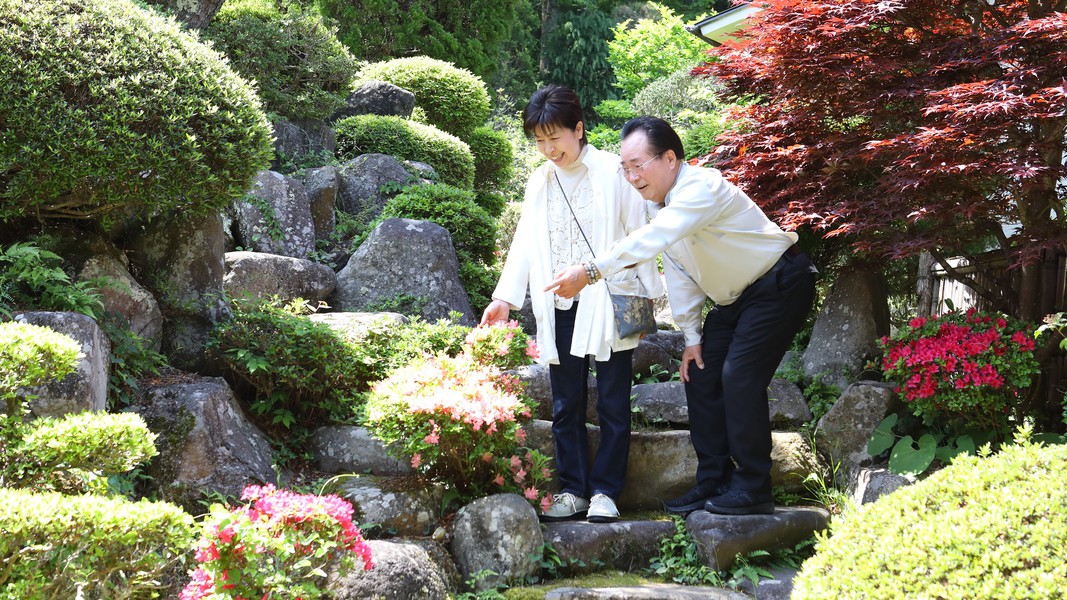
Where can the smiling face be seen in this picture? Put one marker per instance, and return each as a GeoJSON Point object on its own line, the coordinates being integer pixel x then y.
{"type": "Point", "coordinates": [651, 173]}
{"type": "Point", "coordinates": [560, 144]}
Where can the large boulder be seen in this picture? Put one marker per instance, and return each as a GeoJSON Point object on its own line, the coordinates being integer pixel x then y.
{"type": "Point", "coordinates": [262, 276]}
{"type": "Point", "coordinates": [122, 295]}
{"type": "Point", "coordinates": [392, 503]}
{"type": "Point", "coordinates": [404, 257]}
{"type": "Point", "coordinates": [205, 442]}
{"type": "Point", "coordinates": [498, 533]}
{"type": "Point", "coordinates": [367, 182]}
{"type": "Point", "coordinates": [351, 449]}
{"type": "Point", "coordinates": [86, 388]}
{"type": "Point", "coordinates": [853, 317]}
{"type": "Point", "coordinates": [721, 538]}
{"type": "Point", "coordinates": [322, 185]}
{"type": "Point", "coordinates": [300, 140]}
{"type": "Point", "coordinates": [377, 98]}
{"type": "Point", "coordinates": [846, 429]}
{"type": "Point", "coordinates": [275, 217]}
{"type": "Point", "coordinates": [182, 258]}
{"type": "Point", "coordinates": [401, 570]}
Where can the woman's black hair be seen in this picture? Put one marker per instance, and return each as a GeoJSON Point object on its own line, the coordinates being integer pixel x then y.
{"type": "Point", "coordinates": [659, 133]}
{"type": "Point", "coordinates": [552, 106]}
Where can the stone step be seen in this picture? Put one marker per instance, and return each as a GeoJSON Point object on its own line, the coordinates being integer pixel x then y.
{"type": "Point", "coordinates": [655, 591]}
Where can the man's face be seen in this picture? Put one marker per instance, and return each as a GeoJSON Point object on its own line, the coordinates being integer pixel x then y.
{"type": "Point", "coordinates": [651, 174]}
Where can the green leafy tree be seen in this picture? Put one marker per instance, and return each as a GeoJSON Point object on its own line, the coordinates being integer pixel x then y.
{"type": "Point", "coordinates": [575, 54]}
{"type": "Point", "coordinates": [651, 49]}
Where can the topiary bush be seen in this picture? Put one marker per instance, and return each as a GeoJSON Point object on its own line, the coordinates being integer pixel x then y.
{"type": "Point", "coordinates": [453, 99]}
{"type": "Point", "coordinates": [300, 69]}
{"type": "Point", "coordinates": [29, 356]}
{"type": "Point", "coordinates": [58, 546]}
{"type": "Point", "coordinates": [408, 140]}
{"type": "Point", "coordinates": [678, 93]}
{"type": "Point", "coordinates": [981, 528]}
{"type": "Point", "coordinates": [493, 159]}
{"type": "Point", "coordinates": [473, 230]}
{"type": "Point", "coordinates": [106, 107]}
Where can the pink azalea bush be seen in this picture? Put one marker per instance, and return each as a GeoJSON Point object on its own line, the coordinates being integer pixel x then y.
{"type": "Point", "coordinates": [973, 365]}
{"type": "Point", "coordinates": [459, 423]}
{"type": "Point", "coordinates": [504, 346]}
{"type": "Point", "coordinates": [279, 545]}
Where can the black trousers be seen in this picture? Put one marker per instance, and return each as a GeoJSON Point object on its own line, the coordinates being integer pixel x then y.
{"type": "Point", "coordinates": [742, 346]}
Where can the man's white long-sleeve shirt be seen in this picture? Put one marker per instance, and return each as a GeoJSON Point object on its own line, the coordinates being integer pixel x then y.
{"type": "Point", "coordinates": [715, 243]}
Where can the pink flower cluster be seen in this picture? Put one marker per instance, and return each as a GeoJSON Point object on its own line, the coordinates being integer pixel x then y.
{"type": "Point", "coordinates": [959, 359]}
{"type": "Point", "coordinates": [504, 346]}
{"type": "Point", "coordinates": [275, 523]}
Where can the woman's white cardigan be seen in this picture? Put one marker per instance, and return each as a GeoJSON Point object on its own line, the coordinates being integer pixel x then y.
{"type": "Point", "coordinates": [619, 210]}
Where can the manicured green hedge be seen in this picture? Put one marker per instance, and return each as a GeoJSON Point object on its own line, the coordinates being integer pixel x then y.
{"type": "Point", "coordinates": [104, 106]}
{"type": "Point", "coordinates": [473, 230]}
{"type": "Point", "coordinates": [408, 140]}
{"type": "Point", "coordinates": [453, 99]}
{"type": "Point", "coordinates": [58, 546]}
{"type": "Point", "coordinates": [300, 69]}
{"type": "Point", "coordinates": [493, 159]}
{"type": "Point", "coordinates": [981, 528]}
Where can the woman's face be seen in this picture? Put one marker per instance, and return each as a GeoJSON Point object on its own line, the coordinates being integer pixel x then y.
{"type": "Point", "coordinates": [560, 144]}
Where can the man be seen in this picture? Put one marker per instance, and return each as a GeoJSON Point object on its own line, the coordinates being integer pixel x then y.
{"type": "Point", "coordinates": [716, 244]}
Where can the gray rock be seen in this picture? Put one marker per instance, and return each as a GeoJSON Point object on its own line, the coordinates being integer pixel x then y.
{"type": "Point", "coordinates": [367, 182]}
{"type": "Point", "coordinates": [793, 460]}
{"type": "Point", "coordinates": [322, 185]}
{"type": "Point", "coordinates": [624, 545]}
{"type": "Point", "coordinates": [497, 533]}
{"type": "Point", "coordinates": [662, 402]}
{"type": "Point", "coordinates": [260, 275]}
{"type": "Point", "coordinates": [377, 98]}
{"type": "Point", "coordinates": [652, 591]}
{"type": "Point", "coordinates": [86, 388]}
{"type": "Point", "coordinates": [788, 409]}
{"type": "Point", "coordinates": [405, 257]}
{"type": "Point", "coordinates": [673, 341]}
{"type": "Point", "coordinates": [350, 449]}
{"type": "Point", "coordinates": [401, 570]}
{"type": "Point", "coordinates": [539, 388]}
{"type": "Point", "coordinates": [846, 429]}
{"type": "Point", "coordinates": [403, 512]}
{"type": "Point", "coordinates": [205, 442]}
{"type": "Point", "coordinates": [779, 586]}
{"type": "Point", "coordinates": [873, 483]}
{"type": "Point", "coordinates": [276, 219]}
{"type": "Point", "coordinates": [853, 317]}
{"type": "Point", "coordinates": [122, 295]}
{"type": "Point", "coordinates": [424, 172]}
{"type": "Point", "coordinates": [651, 359]}
{"type": "Point", "coordinates": [182, 258]}
{"type": "Point", "coordinates": [301, 140]}
{"type": "Point", "coordinates": [721, 538]}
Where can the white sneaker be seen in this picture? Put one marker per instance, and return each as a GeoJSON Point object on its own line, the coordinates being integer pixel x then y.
{"type": "Point", "coordinates": [565, 506]}
{"type": "Point", "coordinates": [602, 509]}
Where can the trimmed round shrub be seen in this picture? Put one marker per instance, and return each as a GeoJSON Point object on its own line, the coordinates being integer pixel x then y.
{"type": "Point", "coordinates": [493, 158]}
{"type": "Point", "coordinates": [981, 528]}
{"type": "Point", "coordinates": [105, 106]}
{"type": "Point", "coordinates": [300, 68]}
{"type": "Point", "coordinates": [677, 93]}
{"type": "Point", "coordinates": [408, 140]}
{"type": "Point", "coordinates": [454, 99]}
{"type": "Point", "coordinates": [473, 230]}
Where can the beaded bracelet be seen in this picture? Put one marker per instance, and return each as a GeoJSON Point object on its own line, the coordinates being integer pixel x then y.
{"type": "Point", "coordinates": [592, 273]}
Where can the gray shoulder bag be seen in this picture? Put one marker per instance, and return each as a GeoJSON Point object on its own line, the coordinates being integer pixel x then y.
{"type": "Point", "coordinates": [633, 314]}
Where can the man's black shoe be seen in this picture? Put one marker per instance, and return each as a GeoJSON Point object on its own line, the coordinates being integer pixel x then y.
{"type": "Point", "coordinates": [741, 502]}
{"type": "Point", "coordinates": [694, 499]}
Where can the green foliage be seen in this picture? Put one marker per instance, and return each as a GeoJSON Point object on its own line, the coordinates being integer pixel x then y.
{"type": "Point", "coordinates": [469, 34]}
{"type": "Point", "coordinates": [605, 138]}
{"type": "Point", "coordinates": [650, 49]}
{"type": "Point", "coordinates": [59, 546]}
{"type": "Point", "coordinates": [302, 373]}
{"type": "Point", "coordinates": [493, 159]}
{"type": "Point", "coordinates": [109, 109]}
{"type": "Point", "coordinates": [408, 140]}
{"type": "Point", "coordinates": [984, 527]}
{"type": "Point", "coordinates": [679, 561]}
{"type": "Point", "coordinates": [689, 104]}
{"type": "Point", "coordinates": [553, 566]}
{"type": "Point", "coordinates": [575, 54]}
{"type": "Point", "coordinates": [32, 279]}
{"type": "Point", "coordinates": [131, 360]}
{"type": "Point", "coordinates": [454, 100]}
{"type": "Point", "coordinates": [31, 355]}
{"type": "Point", "coordinates": [300, 69]}
{"type": "Point", "coordinates": [909, 456]}
{"type": "Point", "coordinates": [614, 113]}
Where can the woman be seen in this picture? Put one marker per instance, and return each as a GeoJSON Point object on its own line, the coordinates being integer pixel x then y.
{"type": "Point", "coordinates": [576, 205]}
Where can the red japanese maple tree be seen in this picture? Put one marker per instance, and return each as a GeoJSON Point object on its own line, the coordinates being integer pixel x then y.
{"type": "Point", "coordinates": [908, 125]}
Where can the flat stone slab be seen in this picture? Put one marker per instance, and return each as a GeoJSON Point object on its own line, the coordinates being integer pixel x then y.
{"type": "Point", "coordinates": [720, 538]}
{"type": "Point", "coordinates": [623, 545]}
{"type": "Point", "coordinates": [655, 591]}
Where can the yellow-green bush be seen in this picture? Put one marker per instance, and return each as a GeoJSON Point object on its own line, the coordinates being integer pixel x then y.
{"type": "Point", "coordinates": [453, 99]}
{"type": "Point", "coordinates": [408, 140]}
{"type": "Point", "coordinates": [58, 546]}
{"type": "Point", "coordinates": [300, 69]}
{"type": "Point", "coordinates": [981, 528]}
{"type": "Point", "coordinates": [31, 355]}
{"type": "Point", "coordinates": [105, 106]}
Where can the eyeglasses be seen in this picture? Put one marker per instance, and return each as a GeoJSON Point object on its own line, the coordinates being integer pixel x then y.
{"type": "Point", "coordinates": [638, 169]}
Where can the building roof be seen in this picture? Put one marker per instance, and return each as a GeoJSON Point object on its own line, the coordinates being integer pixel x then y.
{"type": "Point", "coordinates": [716, 29]}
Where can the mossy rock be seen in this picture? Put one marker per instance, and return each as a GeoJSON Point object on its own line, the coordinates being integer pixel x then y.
{"type": "Point", "coordinates": [106, 107]}
{"type": "Point", "coordinates": [981, 528]}
{"type": "Point", "coordinates": [453, 99]}
{"type": "Point", "coordinates": [407, 140]}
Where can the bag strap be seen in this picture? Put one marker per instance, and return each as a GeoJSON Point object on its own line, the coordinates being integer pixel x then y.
{"type": "Point", "coordinates": [580, 230]}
